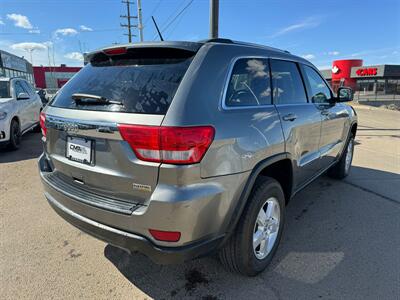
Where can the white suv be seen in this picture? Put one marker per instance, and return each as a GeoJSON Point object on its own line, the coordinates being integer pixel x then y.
{"type": "Point", "coordinates": [20, 109]}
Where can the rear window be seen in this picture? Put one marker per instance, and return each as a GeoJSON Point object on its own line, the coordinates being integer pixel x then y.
{"type": "Point", "coordinates": [4, 89]}
{"type": "Point", "coordinates": [144, 80]}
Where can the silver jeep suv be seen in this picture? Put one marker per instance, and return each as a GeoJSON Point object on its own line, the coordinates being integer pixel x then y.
{"type": "Point", "coordinates": [180, 149]}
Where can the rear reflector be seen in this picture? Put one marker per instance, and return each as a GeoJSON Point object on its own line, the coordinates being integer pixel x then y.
{"type": "Point", "coordinates": [165, 236]}
{"type": "Point", "coordinates": [43, 123]}
{"type": "Point", "coordinates": [174, 145]}
{"type": "Point", "coordinates": [115, 51]}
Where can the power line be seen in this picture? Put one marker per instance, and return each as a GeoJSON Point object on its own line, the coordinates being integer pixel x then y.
{"type": "Point", "coordinates": [173, 20]}
{"type": "Point", "coordinates": [152, 12]}
{"type": "Point", "coordinates": [176, 17]}
{"type": "Point", "coordinates": [171, 15]}
{"type": "Point", "coordinates": [174, 27]}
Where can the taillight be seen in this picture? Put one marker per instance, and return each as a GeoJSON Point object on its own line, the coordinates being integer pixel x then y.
{"type": "Point", "coordinates": [43, 123]}
{"type": "Point", "coordinates": [174, 145]}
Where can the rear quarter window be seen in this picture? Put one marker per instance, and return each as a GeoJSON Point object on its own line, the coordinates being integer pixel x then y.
{"type": "Point", "coordinates": [249, 84]}
{"type": "Point", "coordinates": [144, 81]}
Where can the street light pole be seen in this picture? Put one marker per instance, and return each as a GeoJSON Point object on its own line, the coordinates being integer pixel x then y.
{"type": "Point", "coordinates": [214, 13]}
{"type": "Point", "coordinates": [140, 23]}
{"type": "Point", "coordinates": [30, 54]}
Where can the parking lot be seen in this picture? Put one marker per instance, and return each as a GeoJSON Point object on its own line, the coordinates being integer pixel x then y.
{"type": "Point", "coordinates": [341, 241]}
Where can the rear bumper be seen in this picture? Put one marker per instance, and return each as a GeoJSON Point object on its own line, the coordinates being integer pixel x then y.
{"type": "Point", "coordinates": [133, 242]}
{"type": "Point", "coordinates": [199, 219]}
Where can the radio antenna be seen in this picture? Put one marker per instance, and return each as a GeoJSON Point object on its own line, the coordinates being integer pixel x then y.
{"type": "Point", "coordinates": [158, 30]}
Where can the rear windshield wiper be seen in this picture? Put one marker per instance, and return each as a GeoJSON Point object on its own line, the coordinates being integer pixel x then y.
{"type": "Point", "coordinates": [78, 97]}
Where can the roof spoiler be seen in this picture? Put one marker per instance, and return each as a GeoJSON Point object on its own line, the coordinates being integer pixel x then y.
{"type": "Point", "coordinates": [188, 46]}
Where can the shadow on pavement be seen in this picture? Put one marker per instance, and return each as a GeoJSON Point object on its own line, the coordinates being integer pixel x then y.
{"type": "Point", "coordinates": [31, 147]}
{"type": "Point", "coordinates": [337, 236]}
{"type": "Point", "coordinates": [380, 183]}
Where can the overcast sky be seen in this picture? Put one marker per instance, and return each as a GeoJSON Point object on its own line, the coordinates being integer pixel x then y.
{"type": "Point", "coordinates": [320, 31]}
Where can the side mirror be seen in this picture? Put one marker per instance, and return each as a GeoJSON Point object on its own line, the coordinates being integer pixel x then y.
{"type": "Point", "coordinates": [344, 94]}
{"type": "Point", "coordinates": [22, 96]}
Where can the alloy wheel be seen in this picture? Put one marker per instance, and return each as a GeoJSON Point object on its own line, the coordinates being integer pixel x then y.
{"type": "Point", "coordinates": [349, 155]}
{"type": "Point", "coordinates": [266, 228]}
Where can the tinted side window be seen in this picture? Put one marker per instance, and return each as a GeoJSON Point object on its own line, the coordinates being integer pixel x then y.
{"type": "Point", "coordinates": [287, 84]}
{"type": "Point", "coordinates": [318, 90]}
{"type": "Point", "coordinates": [18, 88]}
{"type": "Point", "coordinates": [249, 84]}
{"type": "Point", "coordinates": [27, 87]}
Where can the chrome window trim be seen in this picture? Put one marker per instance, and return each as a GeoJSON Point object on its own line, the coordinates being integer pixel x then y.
{"type": "Point", "coordinates": [226, 84]}
{"type": "Point", "coordinates": [294, 104]}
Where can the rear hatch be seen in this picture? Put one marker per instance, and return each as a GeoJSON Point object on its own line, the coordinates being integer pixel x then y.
{"type": "Point", "coordinates": [83, 141]}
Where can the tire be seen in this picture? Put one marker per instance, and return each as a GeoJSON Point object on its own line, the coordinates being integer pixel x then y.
{"type": "Point", "coordinates": [15, 135]}
{"type": "Point", "coordinates": [238, 254]}
{"type": "Point", "coordinates": [342, 168]}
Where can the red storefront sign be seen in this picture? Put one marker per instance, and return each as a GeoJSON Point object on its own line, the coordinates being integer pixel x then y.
{"type": "Point", "coordinates": [367, 72]}
{"type": "Point", "coordinates": [341, 72]}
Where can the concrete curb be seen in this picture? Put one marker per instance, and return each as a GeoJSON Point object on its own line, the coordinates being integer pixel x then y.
{"type": "Point", "coordinates": [368, 107]}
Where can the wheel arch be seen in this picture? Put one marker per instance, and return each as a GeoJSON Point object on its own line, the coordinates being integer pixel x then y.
{"type": "Point", "coordinates": [269, 167]}
{"type": "Point", "coordinates": [16, 118]}
{"type": "Point", "coordinates": [353, 128]}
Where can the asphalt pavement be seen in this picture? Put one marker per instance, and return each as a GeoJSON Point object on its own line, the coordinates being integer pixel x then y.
{"type": "Point", "coordinates": [341, 241]}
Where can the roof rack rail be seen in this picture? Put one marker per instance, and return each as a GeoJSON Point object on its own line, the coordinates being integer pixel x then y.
{"type": "Point", "coordinates": [233, 42]}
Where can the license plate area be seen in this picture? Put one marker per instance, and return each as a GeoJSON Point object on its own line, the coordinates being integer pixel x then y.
{"type": "Point", "coordinates": [80, 150]}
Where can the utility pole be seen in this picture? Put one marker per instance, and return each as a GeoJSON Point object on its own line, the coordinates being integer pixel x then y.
{"type": "Point", "coordinates": [128, 17]}
{"type": "Point", "coordinates": [140, 22]}
{"type": "Point", "coordinates": [30, 53]}
{"type": "Point", "coordinates": [214, 12]}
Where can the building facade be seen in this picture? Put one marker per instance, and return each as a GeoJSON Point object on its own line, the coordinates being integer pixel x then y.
{"type": "Point", "coordinates": [53, 77]}
{"type": "Point", "coordinates": [377, 81]}
{"type": "Point", "coordinates": [15, 66]}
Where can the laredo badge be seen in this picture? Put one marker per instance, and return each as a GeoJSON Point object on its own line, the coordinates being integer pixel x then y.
{"type": "Point", "coordinates": [141, 187]}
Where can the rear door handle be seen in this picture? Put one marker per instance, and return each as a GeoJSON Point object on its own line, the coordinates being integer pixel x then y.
{"type": "Point", "coordinates": [289, 117]}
